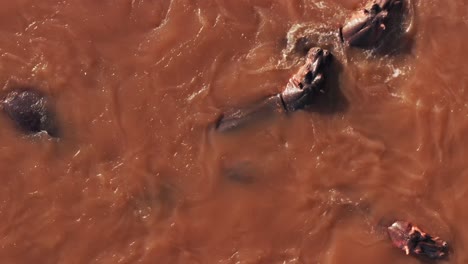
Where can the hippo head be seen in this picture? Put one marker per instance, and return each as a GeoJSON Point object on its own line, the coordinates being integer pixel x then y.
{"type": "Point", "coordinates": [368, 27]}
{"type": "Point", "coordinates": [413, 241]}
{"type": "Point", "coordinates": [308, 80]}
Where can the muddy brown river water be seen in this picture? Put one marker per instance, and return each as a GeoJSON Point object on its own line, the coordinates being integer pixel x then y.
{"type": "Point", "coordinates": [139, 175]}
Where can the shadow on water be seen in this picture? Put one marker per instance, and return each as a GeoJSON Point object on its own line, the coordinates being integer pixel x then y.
{"type": "Point", "coordinates": [241, 173]}
{"type": "Point", "coordinates": [396, 43]}
{"type": "Point", "coordinates": [333, 101]}
{"type": "Point", "coordinates": [426, 260]}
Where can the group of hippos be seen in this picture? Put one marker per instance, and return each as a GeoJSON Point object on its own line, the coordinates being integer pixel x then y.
{"type": "Point", "coordinates": [372, 28]}
{"type": "Point", "coordinates": [369, 28]}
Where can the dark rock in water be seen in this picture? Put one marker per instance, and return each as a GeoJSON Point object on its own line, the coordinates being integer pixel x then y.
{"type": "Point", "coordinates": [412, 240]}
{"type": "Point", "coordinates": [30, 110]}
{"type": "Point", "coordinates": [380, 20]}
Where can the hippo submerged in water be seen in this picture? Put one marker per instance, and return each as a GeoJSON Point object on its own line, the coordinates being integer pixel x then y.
{"type": "Point", "coordinates": [30, 110]}
{"type": "Point", "coordinates": [368, 27]}
{"type": "Point", "coordinates": [301, 88]}
{"type": "Point", "coordinates": [412, 240]}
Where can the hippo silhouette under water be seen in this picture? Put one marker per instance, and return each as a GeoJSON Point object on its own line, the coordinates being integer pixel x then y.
{"type": "Point", "coordinates": [300, 90]}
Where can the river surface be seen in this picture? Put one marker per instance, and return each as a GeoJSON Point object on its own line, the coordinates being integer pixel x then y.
{"type": "Point", "coordinates": [140, 175]}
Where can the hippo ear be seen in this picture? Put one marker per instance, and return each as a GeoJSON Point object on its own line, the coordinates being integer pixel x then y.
{"type": "Point", "coordinates": [375, 9]}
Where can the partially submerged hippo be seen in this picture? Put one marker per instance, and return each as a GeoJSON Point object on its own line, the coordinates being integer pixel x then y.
{"type": "Point", "coordinates": [368, 27]}
{"type": "Point", "coordinates": [301, 88]}
{"type": "Point", "coordinates": [412, 240]}
{"type": "Point", "coordinates": [30, 110]}
{"type": "Point", "coordinates": [308, 81]}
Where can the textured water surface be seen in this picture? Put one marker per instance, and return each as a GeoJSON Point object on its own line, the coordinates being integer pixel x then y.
{"type": "Point", "coordinates": [139, 175]}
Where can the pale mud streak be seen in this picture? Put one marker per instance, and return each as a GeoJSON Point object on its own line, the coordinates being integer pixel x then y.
{"type": "Point", "coordinates": [141, 176]}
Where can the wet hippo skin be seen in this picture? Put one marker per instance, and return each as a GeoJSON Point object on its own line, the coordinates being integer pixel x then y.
{"type": "Point", "coordinates": [412, 240]}
{"type": "Point", "coordinates": [368, 27]}
{"type": "Point", "coordinates": [236, 118]}
{"type": "Point", "coordinates": [301, 88]}
{"type": "Point", "coordinates": [30, 110]}
{"type": "Point", "coordinates": [307, 82]}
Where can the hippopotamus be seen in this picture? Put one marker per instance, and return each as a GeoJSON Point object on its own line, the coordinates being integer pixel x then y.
{"type": "Point", "coordinates": [412, 240]}
{"type": "Point", "coordinates": [301, 88]}
{"type": "Point", "coordinates": [368, 27]}
{"type": "Point", "coordinates": [308, 81]}
{"type": "Point", "coordinates": [30, 110]}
